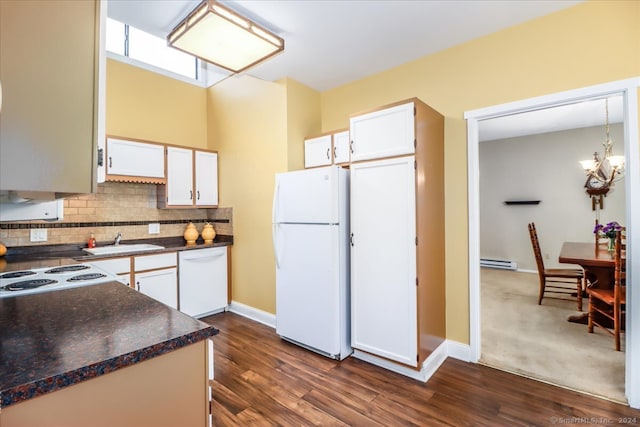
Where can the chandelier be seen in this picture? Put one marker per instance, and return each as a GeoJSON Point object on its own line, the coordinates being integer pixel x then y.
{"type": "Point", "coordinates": [602, 172]}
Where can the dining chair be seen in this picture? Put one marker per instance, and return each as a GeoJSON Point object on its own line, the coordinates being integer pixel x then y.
{"type": "Point", "coordinates": [611, 302]}
{"type": "Point", "coordinates": [599, 241]}
{"type": "Point", "coordinates": [556, 280]}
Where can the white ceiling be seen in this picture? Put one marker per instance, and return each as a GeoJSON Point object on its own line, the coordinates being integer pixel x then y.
{"type": "Point", "coordinates": [329, 43]}
{"type": "Point", "coordinates": [587, 113]}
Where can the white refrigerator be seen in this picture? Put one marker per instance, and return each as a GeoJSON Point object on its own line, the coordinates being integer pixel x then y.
{"type": "Point", "coordinates": [311, 245]}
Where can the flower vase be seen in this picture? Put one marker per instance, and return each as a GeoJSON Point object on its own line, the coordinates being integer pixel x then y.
{"type": "Point", "coordinates": [612, 244]}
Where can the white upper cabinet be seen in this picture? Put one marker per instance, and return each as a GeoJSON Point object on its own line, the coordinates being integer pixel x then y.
{"type": "Point", "coordinates": [317, 151]}
{"type": "Point", "coordinates": [192, 179]}
{"type": "Point", "coordinates": [341, 148]}
{"type": "Point", "coordinates": [325, 150]}
{"type": "Point", "coordinates": [49, 69]}
{"type": "Point", "coordinates": [135, 161]}
{"type": "Point", "coordinates": [206, 178]}
{"type": "Point", "coordinates": [179, 176]}
{"type": "Point", "coordinates": [383, 133]}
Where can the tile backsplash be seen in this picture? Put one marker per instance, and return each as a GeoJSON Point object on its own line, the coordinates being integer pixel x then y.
{"type": "Point", "coordinates": [127, 208]}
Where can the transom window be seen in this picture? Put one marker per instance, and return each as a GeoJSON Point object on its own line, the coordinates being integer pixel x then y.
{"type": "Point", "coordinates": [128, 41]}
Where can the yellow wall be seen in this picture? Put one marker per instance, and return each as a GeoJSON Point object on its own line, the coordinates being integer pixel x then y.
{"type": "Point", "coordinates": [248, 126]}
{"type": "Point", "coordinates": [303, 120]}
{"type": "Point", "coordinates": [258, 126]}
{"type": "Point", "coordinates": [594, 42]}
{"type": "Point", "coordinates": [146, 105]}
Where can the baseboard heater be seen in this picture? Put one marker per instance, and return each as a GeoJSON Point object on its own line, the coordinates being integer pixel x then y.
{"type": "Point", "coordinates": [498, 263]}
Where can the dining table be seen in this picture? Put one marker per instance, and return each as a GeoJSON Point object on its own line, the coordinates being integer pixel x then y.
{"type": "Point", "coordinates": [597, 262]}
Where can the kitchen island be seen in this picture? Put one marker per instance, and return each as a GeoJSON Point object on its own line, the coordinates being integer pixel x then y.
{"type": "Point", "coordinates": [101, 355]}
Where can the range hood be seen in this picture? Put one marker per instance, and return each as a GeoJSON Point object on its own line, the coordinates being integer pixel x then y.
{"type": "Point", "coordinates": [28, 210]}
{"type": "Point", "coordinates": [8, 196]}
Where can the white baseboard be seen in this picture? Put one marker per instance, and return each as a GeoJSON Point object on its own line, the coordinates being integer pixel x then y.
{"type": "Point", "coordinates": [457, 350]}
{"type": "Point", "coordinates": [448, 348]}
{"type": "Point", "coordinates": [249, 312]}
{"type": "Point", "coordinates": [429, 367]}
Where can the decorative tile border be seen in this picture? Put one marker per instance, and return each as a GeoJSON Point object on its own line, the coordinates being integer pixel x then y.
{"type": "Point", "coordinates": [26, 226]}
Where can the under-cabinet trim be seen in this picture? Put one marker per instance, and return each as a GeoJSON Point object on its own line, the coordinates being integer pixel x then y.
{"type": "Point", "coordinates": [27, 225]}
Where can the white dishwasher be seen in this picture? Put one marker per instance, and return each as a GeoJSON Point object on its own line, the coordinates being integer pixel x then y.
{"type": "Point", "coordinates": [202, 281]}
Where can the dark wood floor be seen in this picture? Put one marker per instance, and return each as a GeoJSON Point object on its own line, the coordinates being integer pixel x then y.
{"type": "Point", "coordinates": [263, 380]}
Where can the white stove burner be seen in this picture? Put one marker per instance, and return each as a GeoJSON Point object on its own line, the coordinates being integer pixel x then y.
{"type": "Point", "coordinates": [25, 282]}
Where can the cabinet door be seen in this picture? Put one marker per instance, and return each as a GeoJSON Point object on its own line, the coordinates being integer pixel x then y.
{"type": "Point", "coordinates": [203, 281]}
{"type": "Point", "coordinates": [384, 133]}
{"type": "Point", "coordinates": [132, 158]}
{"type": "Point", "coordinates": [383, 259]}
{"type": "Point", "coordinates": [160, 285]}
{"type": "Point", "coordinates": [179, 176]}
{"type": "Point", "coordinates": [48, 74]}
{"type": "Point", "coordinates": [206, 178]}
{"type": "Point", "coordinates": [341, 149]}
{"type": "Point", "coordinates": [317, 151]}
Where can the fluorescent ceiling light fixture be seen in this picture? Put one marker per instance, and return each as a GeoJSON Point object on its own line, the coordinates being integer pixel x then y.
{"type": "Point", "coordinates": [218, 35]}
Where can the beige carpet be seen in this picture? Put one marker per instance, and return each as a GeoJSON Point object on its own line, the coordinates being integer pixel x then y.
{"type": "Point", "coordinates": [520, 336]}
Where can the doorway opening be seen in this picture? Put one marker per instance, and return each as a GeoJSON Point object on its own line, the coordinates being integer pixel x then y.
{"type": "Point", "coordinates": [628, 91]}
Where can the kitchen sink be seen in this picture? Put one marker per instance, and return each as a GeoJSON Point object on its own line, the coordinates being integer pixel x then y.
{"type": "Point", "coordinates": [116, 249]}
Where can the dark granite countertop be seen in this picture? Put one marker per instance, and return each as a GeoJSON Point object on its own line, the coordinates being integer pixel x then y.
{"type": "Point", "coordinates": [55, 339]}
{"type": "Point", "coordinates": [40, 256]}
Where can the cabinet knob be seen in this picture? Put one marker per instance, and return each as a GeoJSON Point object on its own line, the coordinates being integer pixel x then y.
{"type": "Point", "coordinates": [190, 194]}
{"type": "Point", "coordinates": [198, 194]}
{"type": "Point", "coordinates": [328, 156]}
{"type": "Point", "coordinates": [351, 146]}
{"type": "Point", "coordinates": [110, 162]}
{"type": "Point", "coordinates": [351, 239]}
{"type": "Point", "coordinates": [334, 152]}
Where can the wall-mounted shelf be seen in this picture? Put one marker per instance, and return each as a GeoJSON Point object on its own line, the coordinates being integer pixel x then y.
{"type": "Point", "coordinates": [521, 202]}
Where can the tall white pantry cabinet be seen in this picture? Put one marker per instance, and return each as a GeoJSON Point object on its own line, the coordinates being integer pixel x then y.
{"type": "Point", "coordinates": [397, 232]}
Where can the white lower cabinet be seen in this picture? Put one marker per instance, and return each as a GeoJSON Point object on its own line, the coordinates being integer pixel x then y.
{"type": "Point", "coordinates": [157, 276]}
{"type": "Point", "coordinates": [383, 259]}
{"type": "Point", "coordinates": [198, 277]}
{"type": "Point", "coordinates": [203, 281]}
{"type": "Point", "coordinates": [160, 285]}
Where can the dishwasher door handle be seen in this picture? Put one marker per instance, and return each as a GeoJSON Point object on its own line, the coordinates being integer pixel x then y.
{"type": "Point", "coordinates": [202, 257]}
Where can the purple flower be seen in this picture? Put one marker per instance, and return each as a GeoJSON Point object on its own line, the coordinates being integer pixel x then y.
{"type": "Point", "coordinates": [608, 230]}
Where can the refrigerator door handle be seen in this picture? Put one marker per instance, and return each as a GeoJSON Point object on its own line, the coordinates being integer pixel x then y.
{"type": "Point", "coordinates": [274, 215]}
{"type": "Point", "coordinates": [274, 208]}
{"type": "Point", "coordinates": [275, 244]}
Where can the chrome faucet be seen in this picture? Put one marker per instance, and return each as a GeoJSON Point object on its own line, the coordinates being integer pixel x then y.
{"type": "Point", "coordinates": [116, 241]}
